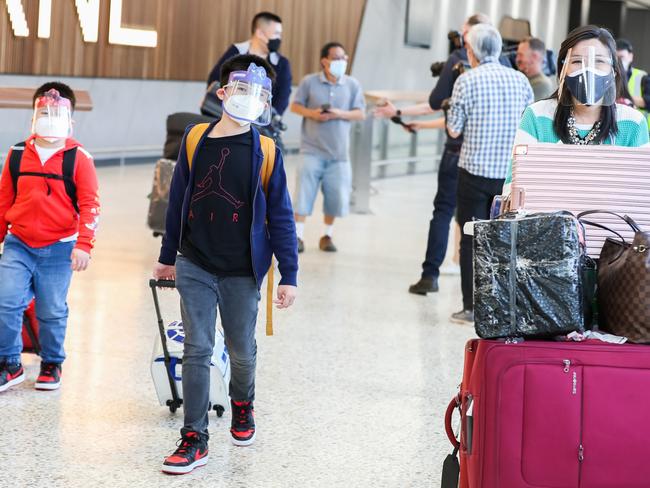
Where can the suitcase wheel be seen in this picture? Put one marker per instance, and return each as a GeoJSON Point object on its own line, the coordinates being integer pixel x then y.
{"type": "Point", "coordinates": [220, 410]}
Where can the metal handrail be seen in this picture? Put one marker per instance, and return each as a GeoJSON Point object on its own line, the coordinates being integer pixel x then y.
{"type": "Point", "coordinates": [363, 145]}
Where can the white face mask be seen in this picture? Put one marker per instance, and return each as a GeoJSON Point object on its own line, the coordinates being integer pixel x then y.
{"type": "Point", "coordinates": [338, 67]}
{"type": "Point", "coordinates": [52, 128]}
{"type": "Point", "coordinates": [244, 108]}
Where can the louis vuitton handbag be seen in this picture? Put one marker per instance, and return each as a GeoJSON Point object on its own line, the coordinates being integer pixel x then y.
{"type": "Point", "coordinates": [624, 283]}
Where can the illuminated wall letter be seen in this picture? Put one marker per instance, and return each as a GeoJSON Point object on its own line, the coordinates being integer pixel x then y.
{"type": "Point", "coordinates": [127, 36]}
{"type": "Point", "coordinates": [17, 18]}
{"type": "Point", "coordinates": [88, 13]}
{"type": "Point", "coordinates": [44, 18]}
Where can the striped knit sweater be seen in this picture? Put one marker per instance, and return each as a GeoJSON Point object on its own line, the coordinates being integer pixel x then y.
{"type": "Point", "coordinates": [537, 126]}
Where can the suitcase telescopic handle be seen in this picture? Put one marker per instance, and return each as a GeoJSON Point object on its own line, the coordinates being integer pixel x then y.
{"type": "Point", "coordinates": [453, 404]}
{"type": "Point", "coordinates": [162, 283]}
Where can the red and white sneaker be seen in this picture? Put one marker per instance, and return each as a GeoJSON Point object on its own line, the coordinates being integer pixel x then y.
{"type": "Point", "coordinates": [11, 375]}
{"type": "Point", "coordinates": [242, 428]}
{"type": "Point", "coordinates": [191, 453]}
{"type": "Point", "coordinates": [49, 378]}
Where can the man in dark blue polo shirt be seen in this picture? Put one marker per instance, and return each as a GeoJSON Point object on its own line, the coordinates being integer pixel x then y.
{"type": "Point", "coordinates": [266, 30]}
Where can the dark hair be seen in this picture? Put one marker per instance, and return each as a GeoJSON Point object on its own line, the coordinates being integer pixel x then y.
{"type": "Point", "coordinates": [64, 90]}
{"type": "Point", "coordinates": [241, 63]}
{"type": "Point", "coordinates": [263, 17]}
{"type": "Point", "coordinates": [624, 45]}
{"type": "Point", "coordinates": [535, 44]}
{"type": "Point", "coordinates": [325, 50]}
{"type": "Point", "coordinates": [608, 126]}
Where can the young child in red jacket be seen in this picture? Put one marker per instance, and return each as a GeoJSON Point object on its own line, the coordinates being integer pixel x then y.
{"type": "Point", "coordinates": [49, 209]}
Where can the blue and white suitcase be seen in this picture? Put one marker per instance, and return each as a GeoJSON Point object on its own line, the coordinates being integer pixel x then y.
{"type": "Point", "coordinates": [167, 360]}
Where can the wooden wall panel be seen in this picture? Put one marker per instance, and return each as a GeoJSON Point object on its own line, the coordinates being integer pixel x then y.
{"type": "Point", "coordinates": [192, 35]}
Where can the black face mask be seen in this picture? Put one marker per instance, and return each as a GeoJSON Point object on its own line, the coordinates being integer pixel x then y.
{"type": "Point", "coordinates": [274, 45]}
{"type": "Point", "coordinates": [576, 85]}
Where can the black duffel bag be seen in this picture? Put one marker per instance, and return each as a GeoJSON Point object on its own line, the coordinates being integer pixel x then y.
{"type": "Point", "coordinates": [529, 276]}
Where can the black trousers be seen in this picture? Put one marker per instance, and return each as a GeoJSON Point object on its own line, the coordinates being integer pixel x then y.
{"type": "Point", "coordinates": [475, 195]}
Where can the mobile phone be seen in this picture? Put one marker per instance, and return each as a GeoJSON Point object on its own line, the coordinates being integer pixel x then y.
{"type": "Point", "coordinates": [325, 108]}
{"type": "Point", "coordinates": [398, 120]}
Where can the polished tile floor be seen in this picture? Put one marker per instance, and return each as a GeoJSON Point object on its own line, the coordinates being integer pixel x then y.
{"type": "Point", "coordinates": [351, 390]}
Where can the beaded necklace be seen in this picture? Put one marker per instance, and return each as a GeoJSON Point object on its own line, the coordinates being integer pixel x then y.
{"type": "Point", "coordinates": [574, 137]}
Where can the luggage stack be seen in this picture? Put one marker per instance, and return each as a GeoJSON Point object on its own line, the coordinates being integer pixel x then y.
{"type": "Point", "coordinates": [554, 394]}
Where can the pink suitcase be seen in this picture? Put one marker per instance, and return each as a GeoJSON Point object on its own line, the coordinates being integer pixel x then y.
{"type": "Point", "coordinates": [554, 415]}
{"type": "Point", "coordinates": [550, 177]}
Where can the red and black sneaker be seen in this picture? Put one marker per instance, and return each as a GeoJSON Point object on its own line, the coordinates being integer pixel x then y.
{"type": "Point", "coordinates": [191, 453]}
{"type": "Point", "coordinates": [243, 423]}
{"type": "Point", "coordinates": [11, 375]}
{"type": "Point", "coordinates": [49, 378]}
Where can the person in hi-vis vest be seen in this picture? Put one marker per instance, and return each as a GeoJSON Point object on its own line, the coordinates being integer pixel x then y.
{"type": "Point", "coordinates": [640, 97]}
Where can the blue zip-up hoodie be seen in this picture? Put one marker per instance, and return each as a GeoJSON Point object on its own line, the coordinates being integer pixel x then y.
{"type": "Point", "coordinates": [273, 230]}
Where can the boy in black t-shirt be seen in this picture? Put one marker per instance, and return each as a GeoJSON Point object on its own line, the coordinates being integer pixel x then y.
{"type": "Point", "coordinates": [226, 226]}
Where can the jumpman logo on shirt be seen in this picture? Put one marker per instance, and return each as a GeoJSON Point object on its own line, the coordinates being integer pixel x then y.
{"type": "Point", "coordinates": [212, 183]}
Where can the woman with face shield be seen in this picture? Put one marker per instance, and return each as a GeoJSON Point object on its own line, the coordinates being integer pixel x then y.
{"type": "Point", "coordinates": [583, 110]}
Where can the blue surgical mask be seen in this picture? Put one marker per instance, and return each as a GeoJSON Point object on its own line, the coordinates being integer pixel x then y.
{"type": "Point", "coordinates": [338, 67]}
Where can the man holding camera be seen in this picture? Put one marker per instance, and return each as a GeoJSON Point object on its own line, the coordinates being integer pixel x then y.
{"type": "Point", "coordinates": [444, 202]}
{"type": "Point", "coordinates": [328, 101]}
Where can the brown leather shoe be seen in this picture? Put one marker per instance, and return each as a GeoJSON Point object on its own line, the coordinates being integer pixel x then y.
{"type": "Point", "coordinates": [326, 244]}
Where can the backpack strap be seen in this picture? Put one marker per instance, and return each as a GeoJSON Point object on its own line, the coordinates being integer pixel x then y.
{"type": "Point", "coordinates": [17, 151]}
{"type": "Point", "coordinates": [69, 159]}
{"type": "Point", "coordinates": [268, 148]}
{"type": "Point", "coordinates": [67, 176]}
{"type": "Point", "coordinates": [192, 140]}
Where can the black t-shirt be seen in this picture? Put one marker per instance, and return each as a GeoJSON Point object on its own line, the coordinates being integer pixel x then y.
{"type": "Point", "coordinates": [217, 236]}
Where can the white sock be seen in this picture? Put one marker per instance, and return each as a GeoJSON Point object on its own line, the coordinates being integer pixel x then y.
{"type": "Point", "coordinates": [300, 229]}
{"type": "Point", "coordinates": [329, 230]}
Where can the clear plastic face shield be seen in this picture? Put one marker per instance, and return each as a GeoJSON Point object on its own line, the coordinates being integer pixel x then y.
{"type": "Point", "coordinates": [248, 96]}
{"type": "Point", "coordinates": [589, 77]}
{"type": "Point", "coordinates": [52, 118]}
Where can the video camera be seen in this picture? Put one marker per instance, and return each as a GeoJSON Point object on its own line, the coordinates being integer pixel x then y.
{"type": "Point", "coordinates": [455, 42]}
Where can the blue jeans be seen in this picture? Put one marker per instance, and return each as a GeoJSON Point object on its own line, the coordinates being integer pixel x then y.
{"type": "Point", "coordinates": [444, 204]}
{"type": "Point", "coordinates": [238, 299]}
{"type": "Point", "coordinates": [43, 273]}
{"type": "Point", "coordinates": [335, 178]}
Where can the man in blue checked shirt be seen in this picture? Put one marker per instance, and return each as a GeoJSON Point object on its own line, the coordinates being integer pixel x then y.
{"type": "Point", "coordinates": [486, 107]}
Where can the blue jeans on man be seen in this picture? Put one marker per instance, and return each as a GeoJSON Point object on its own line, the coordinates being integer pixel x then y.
{"type": "Point", "coordinates": [444, 205]}
{"type": "Point", "coordinates": [43, 273]}
{"type": "Point", "coordinates": [237, 299]}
